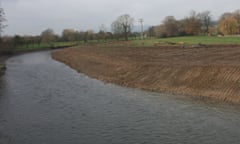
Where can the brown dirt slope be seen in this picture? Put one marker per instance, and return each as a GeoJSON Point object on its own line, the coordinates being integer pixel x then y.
{"type": "Point", "coordinates": [212, 71]}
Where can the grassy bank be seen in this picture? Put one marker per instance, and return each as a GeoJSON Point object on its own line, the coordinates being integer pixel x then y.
{"type": "Point", "coordinates": [8, 52]}
{"type": "Point", "coordinates": [36, 47]}
{"type": "Point", "coordinates": [212, 71]}
{"type": "Point", "coordinates": [174, 41]}
{"type": "Point", "coordinates": [2, 69]}
{"type": "Point", "coordinates": [188, 40]}
{"type": "Point", "coordinates": [2, 64]}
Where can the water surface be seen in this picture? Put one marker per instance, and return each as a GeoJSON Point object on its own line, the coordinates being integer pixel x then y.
{"type": "Point", "coordinates": [45, 102]}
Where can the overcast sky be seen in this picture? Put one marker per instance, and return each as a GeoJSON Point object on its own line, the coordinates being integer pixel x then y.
{"type": "Point", "coordinates": [31, 17]}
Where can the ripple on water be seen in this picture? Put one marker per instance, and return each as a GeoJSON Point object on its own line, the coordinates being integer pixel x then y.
{"type": "Point", "coordinates": [44, 101]}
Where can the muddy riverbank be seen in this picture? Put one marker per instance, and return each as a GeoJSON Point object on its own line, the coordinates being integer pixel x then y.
{"type": "Point", "coordinates": [211, 71]}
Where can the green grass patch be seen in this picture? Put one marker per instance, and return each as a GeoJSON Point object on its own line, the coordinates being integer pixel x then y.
{"type": "Point", "coordinates": [188, 40]}
{"type": "Point", "coordinates": [2, 67]}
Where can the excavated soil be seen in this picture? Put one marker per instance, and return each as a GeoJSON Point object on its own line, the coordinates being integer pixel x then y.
{"type": "Point", "coordinates": [209, 71]}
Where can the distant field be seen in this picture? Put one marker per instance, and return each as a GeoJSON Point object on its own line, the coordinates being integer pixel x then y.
{"type": "Point", "coordinates": [189, 40]}
{"type": "Point", "coordinates": [175, 41]}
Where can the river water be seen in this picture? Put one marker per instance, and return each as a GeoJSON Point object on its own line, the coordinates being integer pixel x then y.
{"type": "Point", "coordinates": [43, 101]}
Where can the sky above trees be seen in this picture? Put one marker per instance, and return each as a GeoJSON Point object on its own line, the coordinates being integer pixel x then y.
{"type": "Point", "coordinates": [31, 17]}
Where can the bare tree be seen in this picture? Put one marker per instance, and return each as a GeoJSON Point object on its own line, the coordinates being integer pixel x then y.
{"type": "Point", "coordinates": [205, 18]}
{"type": "Point", "coordinates": [237, 17]}
{"type": "Point", "coordinates": [117, 28]}
{"type": "Point", "coordinates": [69, 35]}
{"type": "Point", "coordinates": [2, 19]}
{"type": "Point", "coordinates": [48, 37]}
{"type": "Point", "coordinates": [160, 31]}
{"type": "Point", "coordinates": [151, 31]}
{"type": "Point", "coordinates": [102, 32]}
{"type": "Point", "coordinates": [123, 25]}
{"type": "Point", "coordinates": [192, 24]}
{"type": "Point", "coordinates": [102, 28]}
{"type": "Point", "coordinates": [171, 26]}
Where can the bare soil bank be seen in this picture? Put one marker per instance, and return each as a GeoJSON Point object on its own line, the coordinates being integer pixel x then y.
{"type": "Point", "coordinates": [212, 71]}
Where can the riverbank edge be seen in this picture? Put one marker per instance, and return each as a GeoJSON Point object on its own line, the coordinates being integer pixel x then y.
{"type": "Point", "coordinates": [3, 66]}
{"type": "Point", "coordinates": [208, 83]}
{"type": "Point", "coordinates": [5, 57]}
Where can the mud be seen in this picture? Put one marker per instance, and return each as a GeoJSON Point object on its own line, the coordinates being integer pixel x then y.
{"type": "Point", "coordinates": [209, 71]}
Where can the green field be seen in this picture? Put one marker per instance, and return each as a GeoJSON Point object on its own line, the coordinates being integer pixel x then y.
{"type": "Point", "coordinates": [174, 41]}
{"type": "Point", "coordinates": [189, 40]}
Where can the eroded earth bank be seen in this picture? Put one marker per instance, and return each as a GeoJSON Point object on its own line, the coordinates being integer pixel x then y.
{"type": "Point", "coordinates": [211, 71]}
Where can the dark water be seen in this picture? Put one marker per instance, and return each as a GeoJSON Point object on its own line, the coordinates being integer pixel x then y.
{"type": "Point", "coordinates": [45, 102]}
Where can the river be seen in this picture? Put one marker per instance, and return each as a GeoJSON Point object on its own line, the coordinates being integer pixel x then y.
{"type": "Point", "coordinates": [43, 101]}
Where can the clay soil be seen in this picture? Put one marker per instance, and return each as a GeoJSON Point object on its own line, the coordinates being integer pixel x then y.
{"type": "Point", "coordinates": [206, 72]}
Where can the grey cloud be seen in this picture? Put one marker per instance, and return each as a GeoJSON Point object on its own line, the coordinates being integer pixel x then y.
{"type": "Point", "coordinates": [34, 16]}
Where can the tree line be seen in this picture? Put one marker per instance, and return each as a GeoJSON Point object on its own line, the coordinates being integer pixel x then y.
{"type": "Point", "coordinates": [198, 24]}
{"type": "Point", "coordinates": [122, 28]}
{"type": "Point", "coordinates": [49, 37]}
